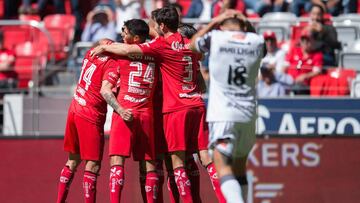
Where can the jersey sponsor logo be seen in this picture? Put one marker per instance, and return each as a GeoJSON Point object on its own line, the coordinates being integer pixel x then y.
{"type": "Point", "coordinates": [240, 51]}
{"type": "Point", "coordinates": [191, 95]}
{"type": "Point", "coordinates": [177, 46]}
{"type": "Point", "coordinates": [134, 100]}
{"type": "Point", "coordinates": [138, 91]}
{"type": "Point", "coordinates": [141, 57]}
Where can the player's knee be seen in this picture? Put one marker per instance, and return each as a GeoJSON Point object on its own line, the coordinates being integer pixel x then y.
{"type": "Point", "coordinates": [73, 164]}
{"type": "Point", "coordinates": [205, 158]}
{"type": "Point", "coordinates": [117, 160]}
{"type": "Point", "coordinates": [93, 166]}
{"type": "Point", "coordinates": [224, 147]}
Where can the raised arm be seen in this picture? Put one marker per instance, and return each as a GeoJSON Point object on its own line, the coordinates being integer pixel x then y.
{"type": "Point", "coordinates": [108, 95]}
{"type": "Point", "coordinates": [213, 23]}
{"type": "Point", "coordinates": [117, 48]}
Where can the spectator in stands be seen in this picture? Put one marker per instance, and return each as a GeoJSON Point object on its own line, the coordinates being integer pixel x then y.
{"type": "Point", "coordinates": [222, 5]}
{"type": "Point", "coordinates": [275, 57]}
{"type": "Point", "coordinates": [350, 6]}
{"type": "Point", "coordinates": [201, 9]}
{"type": "Point", "coordinates": [303, 63]}
{"type": "Point", "coordinates": [263, 6]}
{"type": "Point", "coordinates": [40, 8]}
{"type": "Point", "coordinates": [8, 77]}
{"type": "Point", "coordinates": [267, 85]}
{"type": "Point", "coordinates": [100, 24]}
{"type": "Point", "coordinates": [325, 36]}
{"type": "Point", "coordinates": [126, 10]}
{"type": "Point", "coordinates": [297, 6]}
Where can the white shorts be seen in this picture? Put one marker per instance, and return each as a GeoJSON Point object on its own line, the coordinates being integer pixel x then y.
{"type": "Point", "coordinates": [242, 137]}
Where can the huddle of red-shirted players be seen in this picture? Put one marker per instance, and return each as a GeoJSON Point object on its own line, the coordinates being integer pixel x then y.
{"type": "Point", "coordinates": [147, 76]}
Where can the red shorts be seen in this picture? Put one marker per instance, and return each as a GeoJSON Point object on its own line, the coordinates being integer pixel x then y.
{"type": "Point", "coordinates": [186, 130]}
{"type": "Point", "coordinates": [84, 138]}
{"type": "Point", "coordinates": [160, 140]}
{"type": "Point", "coordinates": [136, 137]}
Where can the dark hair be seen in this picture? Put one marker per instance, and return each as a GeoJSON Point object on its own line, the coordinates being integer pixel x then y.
{"type": "Point", "coordinates": [186, 30]}
{"type": "Point", "coordinates": [235, 21]}
{"type": "Point", "coordinates": [322, 9]}
{"type": "Point", "coordinates": [169, 16]}
{"type": "Point", "coordinates": [154, 13]}
{"type": "Point", "coordinates": [101, 18]}
{"type": "Point", "coordinates": [138, 27]}
{"type": "Point", "coordinates": [176, 5]}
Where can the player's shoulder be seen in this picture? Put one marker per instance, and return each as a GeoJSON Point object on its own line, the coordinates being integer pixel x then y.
{"type": "Point", "coordinates": [255, 37]}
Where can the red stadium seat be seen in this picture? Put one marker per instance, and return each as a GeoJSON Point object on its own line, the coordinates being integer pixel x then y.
{"type": "Point", "coordinates": [28, 57]}
{"type": "Point", "coordinates": [14, 35]}
{"type": "Point", "coordinates": [57, 25]}
{"type": "Point", "coordinates": [335, 83]}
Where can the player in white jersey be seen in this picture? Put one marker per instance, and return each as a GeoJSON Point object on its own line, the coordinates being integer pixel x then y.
{"type": "Point", "coordinates": [234, 60]}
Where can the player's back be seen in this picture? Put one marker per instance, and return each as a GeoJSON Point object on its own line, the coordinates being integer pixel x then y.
{"type": "Point", "coordinates": [233, 64]}
{"type": "Point", "coordinates": [138, 77]}
{"type": "Point", "coordinates": [89, 102]}
{"type": "Point", "coordinates": [179, 68]}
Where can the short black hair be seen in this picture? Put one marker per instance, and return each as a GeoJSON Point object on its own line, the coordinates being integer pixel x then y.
{"type": "Point", "coordinates": [186, 30]}
{"type": "Point", "coordinates": [154, 13]}
{"type": "Point", "coordinates": [169, 16]}
{"type": "Point", "coordinates": [176, 5]}
{"type": "Point", "coordinates": [138, 27]}
{"type": "Point", "coordinates": [322, 9]}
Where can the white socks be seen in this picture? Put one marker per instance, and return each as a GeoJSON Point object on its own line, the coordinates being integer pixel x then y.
{"type": "Point", "coordinates": [231, 189]}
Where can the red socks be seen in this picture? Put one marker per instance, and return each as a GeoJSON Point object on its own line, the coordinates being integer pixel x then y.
{"type": "Point", "coordinates": [215, 182]}
{"type": "Point", "coordinates": [89, 186]}
{"type": "Point", "coordinates": [116, 183]}
{"type": "Point", "coordinates": [66, 177]}
{"type": "Point", "coordinates": [183, 184]}
{"type": "Point", "coordinates": [194, 175]}
{"type": "Point", "coordinates": [172, 188]}
{"type": "Point", "coordinates": [142, 179]}
{"type": "Point", "coordinates": [151, 186]}
{"type": "Point", "coordinates": [160, 173]}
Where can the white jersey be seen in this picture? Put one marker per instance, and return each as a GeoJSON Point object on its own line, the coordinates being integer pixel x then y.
{"type": "Point", "coordinates": [234, 61]}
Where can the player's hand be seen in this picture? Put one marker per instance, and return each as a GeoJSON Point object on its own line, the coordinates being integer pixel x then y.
{"type": "Point", "coordinates": [228, 13]}
{"type": "Point", "coordinates": [126, 115]}
{"type": "Point", "coordinates": [98, 50]}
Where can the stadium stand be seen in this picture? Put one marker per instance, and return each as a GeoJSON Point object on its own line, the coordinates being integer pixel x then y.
{"type": "Point", "coordinates": [351, 56]}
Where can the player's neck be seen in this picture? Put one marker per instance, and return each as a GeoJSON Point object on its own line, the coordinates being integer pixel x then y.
{"type": "Point", "coordinates": [168, 34]}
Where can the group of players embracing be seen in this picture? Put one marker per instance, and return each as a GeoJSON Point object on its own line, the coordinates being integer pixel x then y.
{"type": "Point", "coordinates": [155, 88]}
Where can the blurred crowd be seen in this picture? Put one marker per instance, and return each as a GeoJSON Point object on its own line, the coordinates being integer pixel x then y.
{"type": "Point", "coordinates": [283, 71]}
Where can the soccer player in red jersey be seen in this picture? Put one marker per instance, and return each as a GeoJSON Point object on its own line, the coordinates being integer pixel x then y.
{"type": "Point", "coordinates": [84, 133]}
{"type": "Point", "coordinates": [135, 136]}
{"type": "Point", "coordinates": [183, 108]}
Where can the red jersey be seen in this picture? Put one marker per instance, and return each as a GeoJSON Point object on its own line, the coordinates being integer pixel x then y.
{"type": "Point", "coordinates": [5, 54]}
{"type": "Point", "coordinates": [138, 76]}
{"type": "Point", "coordinates": [300, 64]}
{"type": "Point", "coordinates": [88, 102]}
{"type": "Point", "coordinates": [179, 68]}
